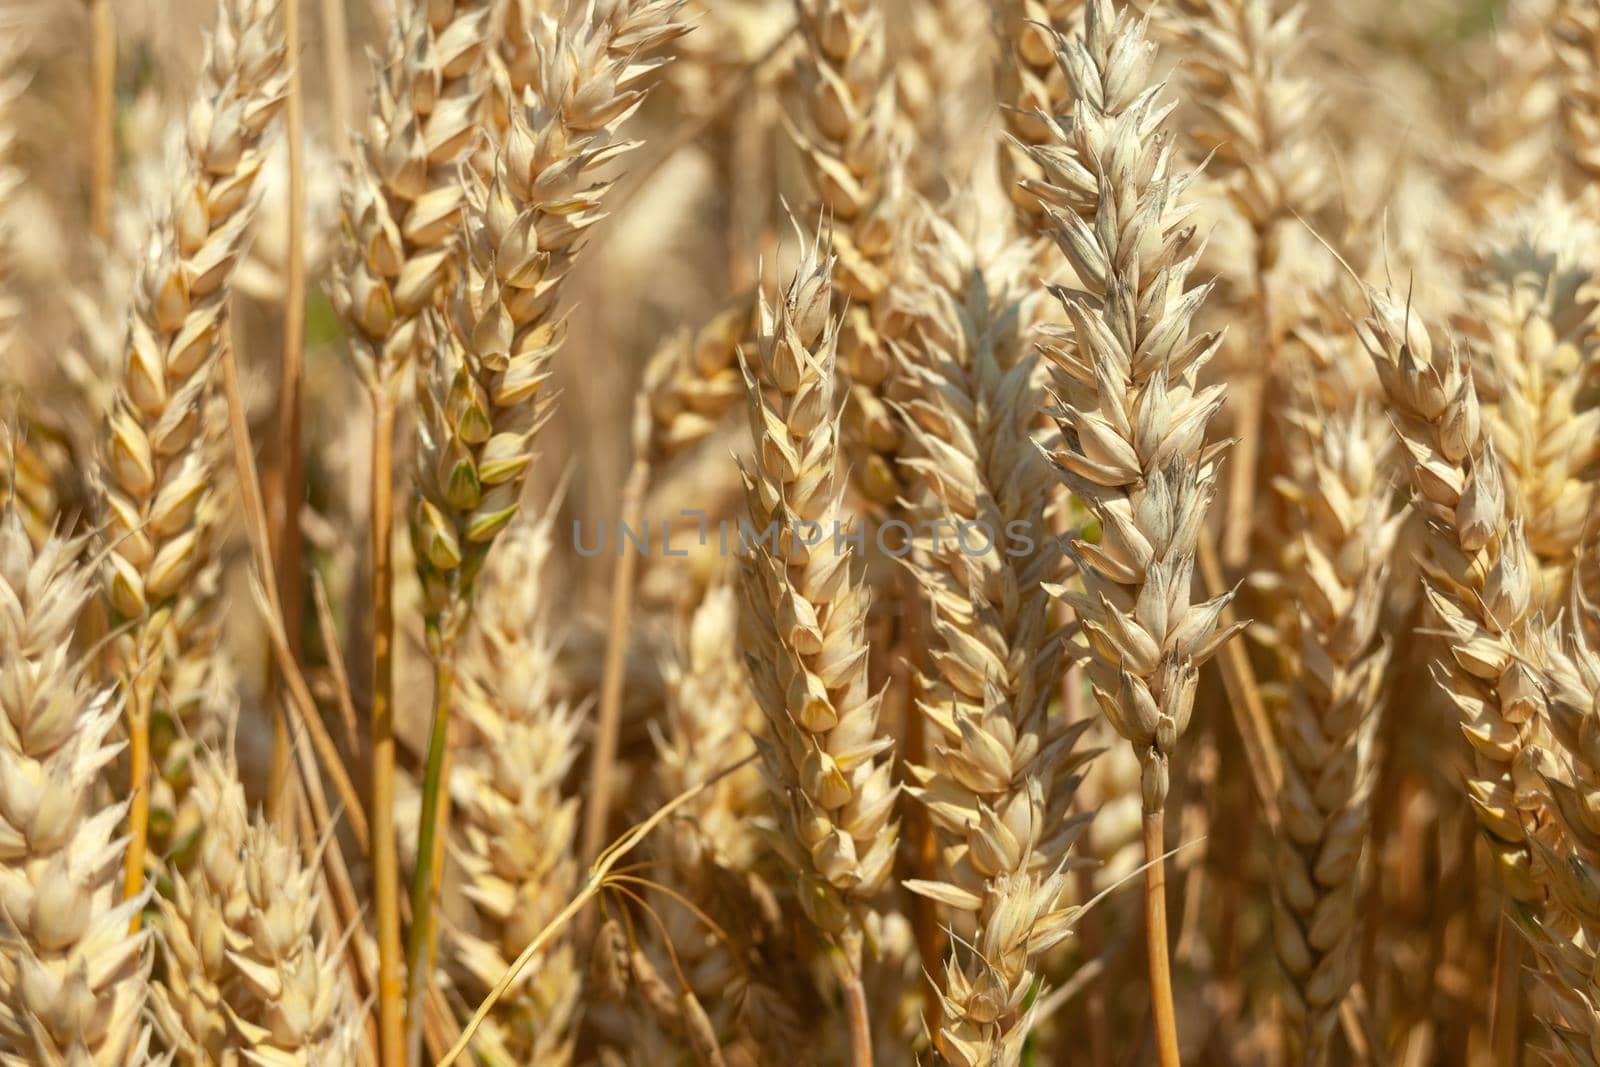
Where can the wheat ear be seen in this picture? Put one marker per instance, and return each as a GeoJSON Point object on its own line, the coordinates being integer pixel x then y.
{"type": "Point", "coordinates": [1031, 88]}
{"type": "Point", "coordinates": [1338, 567]}
{"type": "Point", "coordinates": [1131, 416]}
{"type": "Point", "coordinates": [72, 975]}
{"type": "Point", "coordinates": [247, 978]}
{"type": "Point", "coordinates": [803, 625]}
{"type": "Point", "coordinates": [1529, 323]}
{"type": "Point", "coordinates": [155, 469]}
{"type": "Point", "coordinates": [857, 167]}
{"type": "Point", "coordinates": [517, 826]}
{"type": "Point", "coordinates": [1000, 775]}
{"type": "Point", "coordinates": [1515, 121]}
{"type": "Point", "coordinates": [1576, 28]}
{"type": "Point", "coordinates": [484, 394]}
{"type": "Point", "coordinates": [1479, 573]}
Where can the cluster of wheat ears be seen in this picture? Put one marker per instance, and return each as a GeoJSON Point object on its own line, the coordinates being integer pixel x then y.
{"type": "Point", "coordinates": [1146, 613]}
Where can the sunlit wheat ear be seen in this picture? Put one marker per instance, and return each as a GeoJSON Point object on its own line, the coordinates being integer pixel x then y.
{"type": "Point", "coordinates": [402, 199]}
{"type": "Point", "coordinates": [1529, 324]}
{"type": "Point", "coordinates": [155, 467]}
{"type": "Point", "coordinates": [803, 622]}
{"type": "Point", "coordinates": [1260, 111]}
{"type": "Point", "coordinates": [516, 824]}
{"type": "Point", "coordinates": [1479, 572]}
{"type": "Point", "coordinates": [1337, 568]}
{"type": "Point", "coordinates": [1565, 990]}
{"type": "Point", "coordinates": [247, 978]}
{"type": "Point", "coordinates": [72, 976]}
{"type": "Point", "coordinates": [1000, 777]}
{"type": "Point", "coordinates": [692, 380]}
{"type": "Point", "coordinates": [1131, 415]}
{"type": "Point", "coordinates": [857, 167]}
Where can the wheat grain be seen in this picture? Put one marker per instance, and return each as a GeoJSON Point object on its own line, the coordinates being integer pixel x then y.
{"type": "Point", "coordinates": [72, 976]}
{"type": "Point", "coordinates": [692, 381]}
{"type": "Point", "coordinates": [1000, 777]}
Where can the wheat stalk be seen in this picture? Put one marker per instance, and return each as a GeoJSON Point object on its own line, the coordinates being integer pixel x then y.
{"type": "Point", "coordinates": [1000, 776]}
{"type": "Point", "coordinates": [1131, 416]}
{"type": "Point", "coordinates": [803, 626]}
{"type": "Point", "coordinates": [72, 975]}
{"type": "Point", "coordinates": [1338, 568]}
{"type": "Point", "coordinates": [155, 469]}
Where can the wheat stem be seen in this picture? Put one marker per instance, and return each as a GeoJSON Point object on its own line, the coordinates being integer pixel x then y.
{"type": "Point", "coordinates": [385, 861]}
{"type": "Point", "coordinates": [287, 484]}
{"type": "Point", "coordinates": [610, 716]}
{"type": "Point", "coordinates": [430, 843]}
{"type": "Point", "coordinates": [855, 1005]}
{"type": "Point", "coordinates": [1155, 939]}
{"type": "Point", "coordinates": [103, 137]}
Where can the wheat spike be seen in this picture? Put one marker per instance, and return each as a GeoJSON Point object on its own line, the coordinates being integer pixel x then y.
{"type": "Point", "coordinates": [485, 395]}
{"type": "Point", "coordinates": [1479, 571]}
{"type": "Point", "coordinates": [247, 979]}
{"type": "Point", "coordinates": [1259, 114]}
{"type": "Point", "coordinates": [1338, 569]}
{"type": "Point", "coordinates": [72, 976]}
{"type": "Point", "coordinates": [403, 197]}
{"type": "Point", "coordinates": [1132, 418]}
{"type": "Point", "coordinates": [516, 824]}
{"type": "Point", "coordinates": [1530, 323]}
{"type": "Point", "coordinates": [1515, 120]}
{"type": "Point", "coordinates": [1001, 775]}
{"type": "Point", "coordinates": [1033, 87]}
{"type": "Point", "coordinates": [857, 166]}
{"type": "Point", "coordinates": [692, 381]}
{"type": "Point", "coordinates": [1577, 36]}
{"type": "Point", "coordinates": [804, 615]}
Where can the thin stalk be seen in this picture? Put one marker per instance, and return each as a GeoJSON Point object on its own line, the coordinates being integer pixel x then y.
{"type": "Point", "coordinates": [103, 139]}
{"type": "Point", "coordinates": [1252, 403]}
{"type": "Point", "coordinates": [385, 861]}
{"type": "Point", "coordinates": [336, 58]}
{"type": "Point", "coordinates": [855, 1006]}
{"type": "Point", "coordinates": [610, 713]}
{"type": "Point", "coordinates": [288, 481]}
{"type": "Point", "coordinates": [1155, 939]}
{"type": "Point", "coordinates": [430, 841]}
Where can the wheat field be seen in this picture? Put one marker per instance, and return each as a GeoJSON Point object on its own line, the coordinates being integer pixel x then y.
{"type": "Point", "coordinates": [648, 533]}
